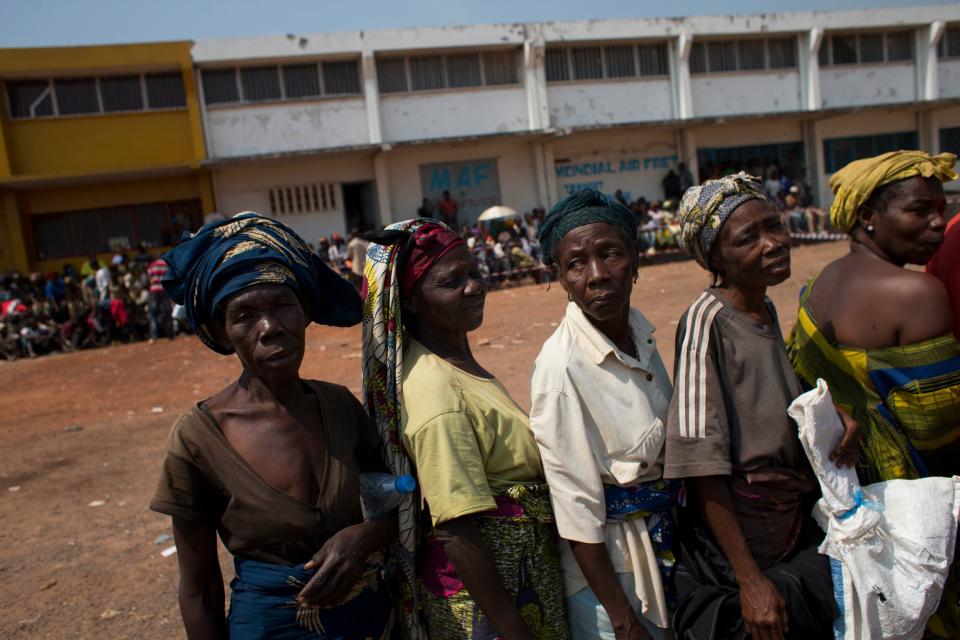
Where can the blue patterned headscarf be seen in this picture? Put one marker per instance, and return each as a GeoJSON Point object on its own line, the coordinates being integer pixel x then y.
{"type": "Point", "coordinates": [581, 208]}
{"type": "Point", "coordinates": [705, 208]}
{"type": "Point", "coordinates": [248, 249]}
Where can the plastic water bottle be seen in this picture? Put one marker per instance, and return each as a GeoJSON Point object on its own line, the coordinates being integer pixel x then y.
{"type": "Point", "coordinates": [381, 493]}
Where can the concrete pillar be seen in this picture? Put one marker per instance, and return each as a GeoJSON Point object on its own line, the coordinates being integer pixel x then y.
{"type": "Point", "coordinates": [382, 176]}
{"type": "Point", "coordinates": [680, 76]}
{"type": "Point", "coordinates": [927, 136]}
{"type": "Point", "coordinates": [540, 171]}
{"type": "Point", "coordinates": [371, 97]}
{"type": "Point", "coordinates": [686, 143]}
{"type": "Point", "coordinates": [928, 37]}
{"type": "Point", "coordinates": [535, 84]}
{"type": "Point", "coordinates": [549, 163]}
{"type": "Point", "coordinates": [6, 165]}
{"type": "Point", "coordinates": [809, 45]}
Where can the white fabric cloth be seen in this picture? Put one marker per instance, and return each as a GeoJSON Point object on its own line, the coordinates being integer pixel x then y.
{"type": "Point", "coordinates": [894, 544]}
{"type": "Point", "coordinates": [598, 416]}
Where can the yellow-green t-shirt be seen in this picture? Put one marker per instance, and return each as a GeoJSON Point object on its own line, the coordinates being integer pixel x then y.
{"type": "Point", "coordinates": [466, 435]}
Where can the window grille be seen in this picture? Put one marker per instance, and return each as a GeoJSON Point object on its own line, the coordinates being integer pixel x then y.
{"type": "Point", "coordinates": [121, 93]}
{"type": "Point", "coordinates": [165, 90]}
{"type": "Point", "coordinates": [621, 62]}
{"type": "Point", "coordinates": [750, 55]}
{"type": "Point", "coordinates": [500, 67]}
{"type": "Point", "coordinates": [587, 63]}
{"type": "Point", "coordinates": [722, 56]}
{"type": "Point", "coordinates": [900, 46]}
{"type": "Point", "coordinates": [260, 83]}
{"type": "Point", "coordinates": [426, 73]}
{"type": "Point", "coordinates": [392, 75]}
{"type": "Point", "coordinates": [844, 49]}
{"type": "Point", "coordinates": [341, 78]}
{"type": "Point", "coordinates": [29, 98]}
{"type": "Point", "coordinates": [949, 46]}
{"type": "Point", "coordinates": [653, 59]}
{"type": "Point", "coordinates": [950, 140]}
{"type": "Point", "coordinates": [698, 58]}
{"type": "Point", "coordinates": [463, 70]}
{"type": "Point", "coordinates": [871, 47]}
{"type": "Point", "coordinates": [303, 198]}
{"type": "Point", "coordinates": [839, 152]}
{"type": "Point", "coordinates": [76, 96]}
{"type": "Point", "coordinates": [301, 80]}
{"type": "Point", "coordinates": [782, 53]}
{"type": "Point", "coordinates": [220, 85]}
{"type": "Point", "coordinates": [557, 65]}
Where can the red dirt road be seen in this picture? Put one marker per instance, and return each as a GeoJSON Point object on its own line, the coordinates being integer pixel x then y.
{"type": "Point", "coordinates": [91, 426]}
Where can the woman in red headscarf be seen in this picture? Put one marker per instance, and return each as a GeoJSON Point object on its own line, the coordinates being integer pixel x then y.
{"type": "Point", "coordinates": [488, 566]}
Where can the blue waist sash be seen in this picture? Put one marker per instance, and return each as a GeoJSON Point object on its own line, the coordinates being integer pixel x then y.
{"type": "Point", "coordinates": [263, 605]}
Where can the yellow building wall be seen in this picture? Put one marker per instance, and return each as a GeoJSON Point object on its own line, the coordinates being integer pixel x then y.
{"type": "Point", "coordinates": [81, 145]}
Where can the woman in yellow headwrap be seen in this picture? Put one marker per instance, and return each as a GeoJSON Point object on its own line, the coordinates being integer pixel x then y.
{"type": "Point", "coordinates": [881, 335]}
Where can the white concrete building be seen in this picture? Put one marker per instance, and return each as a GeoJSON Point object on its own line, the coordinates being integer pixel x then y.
{"type": "Point", "coordinates": [330, 131]}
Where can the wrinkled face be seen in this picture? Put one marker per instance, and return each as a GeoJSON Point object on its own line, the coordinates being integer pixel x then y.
{"type": "Point", "coordinates": [596, 266]}
{"type": "Point", "coordinates": [909, 226]}
{"type": "Point", "coordinates": [266, 326]}
{"type": "Point", "coordinates": [753, 247]}
{"type": "Point", "coordinates": [450, 295]}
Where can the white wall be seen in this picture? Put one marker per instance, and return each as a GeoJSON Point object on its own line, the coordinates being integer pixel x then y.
{"type": "Point", "coordinates": [578, 104]}
{"type": "Point", "coordinates": [948, 78]}
{"type": "Point", "coordinates": [245, 186]}
{"type": "Point", "coordinates": [447, 114]}
{"type": "Point", "coordinates": [276, 128]}
{"type": "Point", "coordinates": [727, 94]}
{"type": "Point", "coordinates": [740, 133]}
{"type": "Point", "coordinates": [515, 171]}
{"type": "Point", "coordinates": [867, 85]}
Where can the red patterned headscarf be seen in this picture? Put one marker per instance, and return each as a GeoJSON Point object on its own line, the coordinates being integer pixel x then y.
{"type": "Point", "coordinates": [430, 242]}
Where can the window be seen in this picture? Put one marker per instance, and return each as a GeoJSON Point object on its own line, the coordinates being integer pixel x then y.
{"type": "Point", "coordinates": [499, 67]}
{"type": "Point", "coordinates": [220, 85]}
{"type": "Point", "coordinates": [620, 62]}
{"type": "Point", "coordinates": [303, 198]}
{"type": "Point", "coordinates": [839, 152]}
{"type": "Point", "coordinates": [867, 48]}
{"type": "Point", "coordinates": [756, 54]}
{"type": "Point", "coordinates": [426, 73]}
{"type": "Point", "coordinates": [463, 70]}
{"type": "Point", "coordinates": [76, 96]}
{"type": "Point", "coordinates": [587, 63]}
{"type": "Point", "coordinates": [165, 90]}
{"type": "Point", "coordinates": [260, 83]}
{"type": "Point", "coordinates": [754, 158]}
{"type": "Point", "coordinates": [950, 140]}
{"type": "Point", "coordinates": [341, 78]}
{"type": "Point", "coordinates": [122, 93]}
{"type": "Point", "coordinates": [106, 94]}
{"type": "Point", "coordinates": [30, 98]}
{"type": "Point", "coordinates": [613, 61]}
{"type": "Point", "coordinates": [949, 46]}
{"type": "Point", "coordinates": [392, 75]}
{"type": "Point", "coordinates": [451, 71]}
{"type": "Point", "coordinates": [301, 80]}
{"type": "Point", "coordinates": [557, 66]}
{"type": "Point", "coordinates": [80, 233]}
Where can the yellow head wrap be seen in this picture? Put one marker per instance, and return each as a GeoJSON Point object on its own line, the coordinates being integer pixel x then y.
{"type": "Point", "coordinates": [854, 184]}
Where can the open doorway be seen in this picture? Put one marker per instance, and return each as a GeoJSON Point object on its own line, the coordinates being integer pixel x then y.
{"type": "Point", "coordinates": [360, 205]}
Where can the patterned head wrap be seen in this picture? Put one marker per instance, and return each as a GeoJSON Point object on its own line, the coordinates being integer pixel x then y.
{"type": "Point", "coordinates": [429, 243]}
{"type": "Point", "coordinates": [705, 208]}
{"type": "Point", "coordinates": [226, 256]}
{"type": "Point", "coordinates": [853, 184]}
{"type": "Point", "coordinates": [578, 209]}
{"type": "Point", "coordinates": [383, 341]}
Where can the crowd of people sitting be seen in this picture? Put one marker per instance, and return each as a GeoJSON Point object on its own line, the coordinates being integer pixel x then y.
{"type": "Point", "coordinates": [98, 305]}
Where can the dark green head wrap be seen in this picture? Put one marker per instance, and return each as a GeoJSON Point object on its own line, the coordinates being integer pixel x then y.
{"type": "Point", "coordinates": [579, 208]}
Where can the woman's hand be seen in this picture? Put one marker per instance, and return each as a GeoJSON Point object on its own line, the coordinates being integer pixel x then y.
{"type": "Point", "coordinates": [632, 630]}
{"type": "Point", "coordinates": [763, 609]}
{"type": "Point", "coordinates": [847, 452]}
{"type": "Point", "coordinates": [340, 563]}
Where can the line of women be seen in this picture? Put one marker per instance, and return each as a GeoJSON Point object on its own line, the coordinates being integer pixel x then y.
{"type": "Point", "coordinates": [625, 505]}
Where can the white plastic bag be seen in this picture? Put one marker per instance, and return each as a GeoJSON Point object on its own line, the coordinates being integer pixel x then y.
{"type": "Point", "coordinates": [890, 543]}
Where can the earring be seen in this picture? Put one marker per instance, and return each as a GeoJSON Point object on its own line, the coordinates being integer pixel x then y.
{"type": "Point", "coordinates": [870, 229]}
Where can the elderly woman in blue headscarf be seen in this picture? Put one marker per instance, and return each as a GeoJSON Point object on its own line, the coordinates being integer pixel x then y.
{"type": "Point", "coordinates": [271, 463]}
{"type": "Point", "coordinates": [600, 395]}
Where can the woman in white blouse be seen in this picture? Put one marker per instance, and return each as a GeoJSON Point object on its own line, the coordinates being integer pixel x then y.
{"type": "Point", "coordinates": [600, 395]}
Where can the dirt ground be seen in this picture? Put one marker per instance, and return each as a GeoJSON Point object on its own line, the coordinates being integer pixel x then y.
{"type": "Point", "coordinates": [84, 428]}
